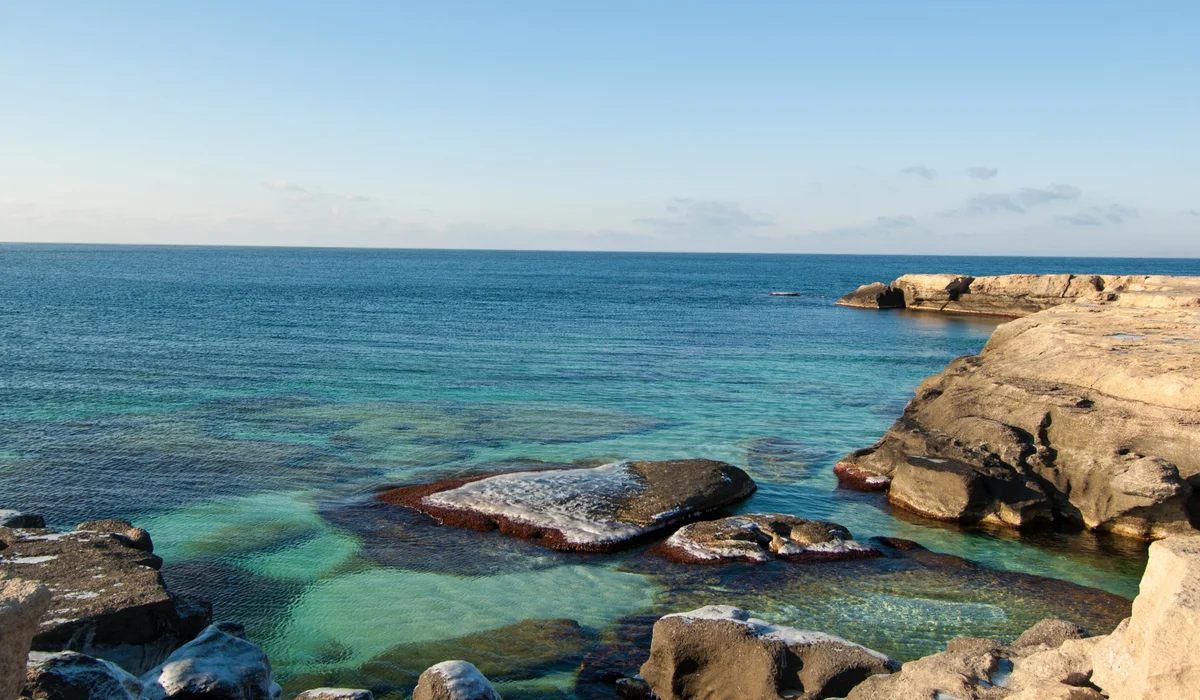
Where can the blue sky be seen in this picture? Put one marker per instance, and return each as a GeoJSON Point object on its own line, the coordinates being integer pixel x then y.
{"type": "Point", "coordinates": [922, 127]}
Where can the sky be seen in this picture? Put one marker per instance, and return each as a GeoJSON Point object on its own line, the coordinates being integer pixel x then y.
{"type": "Point", "coordinates": [1025, 128]}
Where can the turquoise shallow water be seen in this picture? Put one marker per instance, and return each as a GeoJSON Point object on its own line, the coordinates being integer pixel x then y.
{"type": "Point", "coordinates": [242, 404]}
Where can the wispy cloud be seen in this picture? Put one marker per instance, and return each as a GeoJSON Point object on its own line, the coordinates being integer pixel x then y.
{"type": "Point", "coordinates": [920, 171]}
{"type": "Point", "coordinates": [1096, 216]}
{"type": "Point", "coordinates": [902, 221]}
{"type": "Point", "coordinates": [1019, 202]}
{"type": "Point", "coordinates": [979, 172]}
{"type": "Point", "coordinates": [704, 217]}
{"type": "Point", "coordinates": [299, 193]}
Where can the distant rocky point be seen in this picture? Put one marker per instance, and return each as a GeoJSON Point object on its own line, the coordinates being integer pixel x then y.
{"type": "Point", "coordinates": [1086, 410]}
{"type": "Point", "coordinates": [1021, 295]}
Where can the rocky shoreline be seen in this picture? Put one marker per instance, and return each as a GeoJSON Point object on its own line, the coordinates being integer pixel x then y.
{"type": "Point", "coordinates": [1084, 411]}
{"type": "Point", "coordinates": [717, 651]}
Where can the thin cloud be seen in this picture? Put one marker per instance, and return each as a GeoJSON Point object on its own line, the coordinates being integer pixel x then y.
{"type": "Point", "coordinates": [299, 193]}
{"type": "Point", "coordinates": [920, 171]}
{"type": "Point", "coordinates": [705, 217]}
{"type": "Point", "coordinates": [1098, 216]}
{"type": "Point", "coordinates": [902, 221]}
{"type": "Point", "coordinates": [1021, 201]}
{"type": "Point", "coordinates": [979, 172]}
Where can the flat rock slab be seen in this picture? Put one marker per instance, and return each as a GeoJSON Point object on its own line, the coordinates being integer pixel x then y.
{"type": "Point", "coordinates": [108, 599]}
{"type": "Point", "coordinates": [592, 510]}
{"type": "Point", "coordinates": [761, 537]}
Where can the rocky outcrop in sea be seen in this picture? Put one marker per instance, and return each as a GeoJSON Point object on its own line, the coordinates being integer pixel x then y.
{"type": "Point", "coordinates": [1085, 412]}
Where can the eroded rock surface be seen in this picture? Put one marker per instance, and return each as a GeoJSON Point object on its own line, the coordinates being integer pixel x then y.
{"type": "Point", "coordinates": [108, 599]}
{"type": "Point", "coordinates": [720, 652]}
{"type": "Point", "coordinates": [1088, 412]}
{"type": "Point", "coordinates": [68, 675]}
{"type": "Point", "coordinates": [760, 537]}
{"type": "Point", "coordinates": [336, 694]}
{"type": "Point", "coordinates": [1153, 653]}
{"type": "Point", "coordinates": [597, 509]}
{"type": "Point", "coordinates": [454, 680]}
{"type": "Point", "coordinates": [22, 604]}
{"type": "Point", "coordinates": [215, 665]}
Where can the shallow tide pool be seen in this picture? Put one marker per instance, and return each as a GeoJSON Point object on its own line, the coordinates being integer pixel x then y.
{"type": "Point", "coordinates": [243, 405]}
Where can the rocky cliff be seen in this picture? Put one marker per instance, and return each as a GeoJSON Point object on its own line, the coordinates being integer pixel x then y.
{"type": "Point", "coordinates": [1018, 295]}
{"type": "Point", "coordinates": [1087, 412]}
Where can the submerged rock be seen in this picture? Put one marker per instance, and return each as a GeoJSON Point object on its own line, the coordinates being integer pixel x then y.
{"type": "Point", "coordinates": [216, 666]}
{"type": "Point", "coordinates": [1084, 413]}
{"type": "Point", "coordinates": [109, 600]}
{"type": "Point", "coordinates": [15, 518]}
{"type": "Point", "coordinates": [757, 537]}
{"type": "Point", "coordinates": [22, 604]}
{"type": "Point", "coordinates": [720, 652]}
{"type": "Point", "coordinates": [335, 694]}
{"type": "Point", "coordinates": [454, 680]}
{"type": "Point", "coordinates": [68, 675]}
{"type": "Point", "coordinates": [597, 510]}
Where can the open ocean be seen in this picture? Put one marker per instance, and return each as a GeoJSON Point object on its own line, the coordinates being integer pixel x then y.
{"type": "Point", "coordinates": [242, 404]}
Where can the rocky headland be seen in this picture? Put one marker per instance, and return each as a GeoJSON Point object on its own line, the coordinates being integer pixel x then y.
{"type": "Point", "coordinates": [1084, 410]}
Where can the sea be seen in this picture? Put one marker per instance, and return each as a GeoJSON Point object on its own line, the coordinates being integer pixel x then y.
{"type": "Point", "coordinates": [244, 405]}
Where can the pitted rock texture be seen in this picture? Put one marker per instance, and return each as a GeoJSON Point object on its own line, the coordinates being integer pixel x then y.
{"type": "Point", "coordinates": [454, 680]}
{"type": "Point", "coordinates": [108, 598]}
{"type": "Point", "coordinates": [1088, 413]}
{"type": "Point", "coordinates": [721, 653]}
{"type": "Point", "coordinates": [215, 665]}
{"type": "Point", "coordinates": [760, 537]}
{"type": "Point", "coordinates": [22, 604]}
{"type": "Point", "coordinates": [596, 510]}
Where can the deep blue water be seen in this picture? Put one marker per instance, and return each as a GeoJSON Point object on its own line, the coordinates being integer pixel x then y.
{"type": "Point", "coordinates": [239, 402]}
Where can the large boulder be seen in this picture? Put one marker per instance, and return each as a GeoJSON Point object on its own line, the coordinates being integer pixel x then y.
{"type": "Point", "coordinates": [720, 652]}
{"type": "Point", "coordinates": [876, 295]}
{"type": "Point", "coordinates": [15, 518]}
{"type": "Point", "coordinates": [215, 665]}
{"type": "Point", "coordinates": [760, 537]}
{"type": "Point", "coordinates": [1086, 412]}
{"type": "Point", "coordinates": [68, 675]}
{"type": "Point", "coordinates": [109, 600]}
{"type": "Point", "coordinates": [22, 604]}
{"type": "Point", "coordinates": [598, 509]}
{"type": "Point", "coordinates": [1153, 653]}
{"type": "Point", "coordinates": [454, 680]}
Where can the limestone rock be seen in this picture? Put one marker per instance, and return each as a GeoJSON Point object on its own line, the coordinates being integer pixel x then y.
{"type": "Point", "coordinates": [720, 652]}
{"type": "Point", "coordinates": [1050, 633]}
{"type": "Point", "coordinates": [759, 537]}
{"type": "Point", "coordinates": [216, 666]}
{"type": "Point", "coordinates": [1153, 653]}
{"type": "Point", "coordinates": [598, 509]}
{"type": "Point", "coordinates": [876, 295]}
{"type": "Point", "coordinates": [68, 675]}
{"type": "Point", "coordinates": [22, 604]}
{"type": "Point", "coordinates": [1087, 412]}
{"type": "Point", "coordinates": [124, 530]}
{"type": "Point", "coordinates": [335, 694]}
{"type": "Point", "coordinates": [109, 600]}
{"type": "Point", "coordinates": [454, 680]}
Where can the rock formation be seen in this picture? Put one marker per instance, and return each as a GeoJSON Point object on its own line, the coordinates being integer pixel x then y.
{"type": "Point", "coordinates": [597, 509]}
{"type": "Point", "coordinates": [216, 665]}
{"type": "Point", "coordinates": [335, 694]}
{"type": "Point", "coordinates": [1016, 295]}
{"type": "Point", "coordinates": [22, 604]}
{"type": "Point", "coordinates": [454, 680]}
{"type": "Point", "coordinates": [109, 600]}
{"type": "Point", "coordinates": [1088, 412]}
{"type": "Point", "coordinates": [758, 537]}
{"type": "Point", "coordinates": [720, 652]}
{"type": "Point", "coordinates": [69, 675]}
